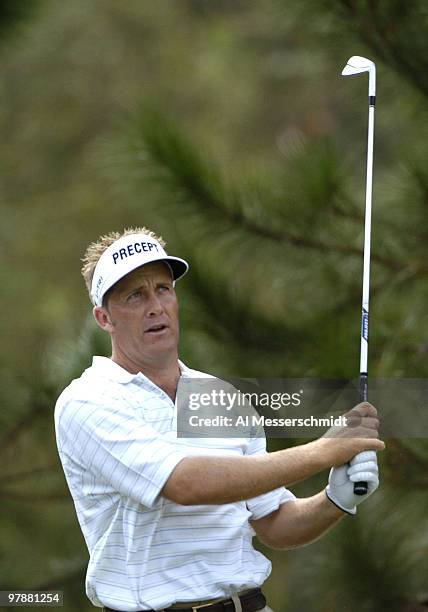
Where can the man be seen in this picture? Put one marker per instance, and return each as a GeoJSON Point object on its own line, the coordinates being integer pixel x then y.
{"type": "Point", "coordinates": [169, 522]}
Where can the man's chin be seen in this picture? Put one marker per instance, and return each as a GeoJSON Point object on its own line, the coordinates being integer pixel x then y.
{"type": "Point", "coordinates": [161, 342]}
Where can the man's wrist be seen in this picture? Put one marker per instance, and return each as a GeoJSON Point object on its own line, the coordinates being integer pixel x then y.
{"type": "Point", "coordinates": [351, 511]}
{"type": "Point", "coordinates": [316, 451]}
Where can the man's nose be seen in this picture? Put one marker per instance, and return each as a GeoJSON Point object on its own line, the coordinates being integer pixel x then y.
{"type": "Point", "coordinates": [154, 305]}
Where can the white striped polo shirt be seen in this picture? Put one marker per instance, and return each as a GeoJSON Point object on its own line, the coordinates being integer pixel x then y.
{"type": "Point", "coordinates": [116, 437]}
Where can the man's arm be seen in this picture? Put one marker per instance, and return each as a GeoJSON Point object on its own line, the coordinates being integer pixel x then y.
{"type": "Point", "coordinates": [301, 521]}
{"type": "Point", "coordinates": [297, 522]}
{"type": "Point", "coordinates": [222, 480]}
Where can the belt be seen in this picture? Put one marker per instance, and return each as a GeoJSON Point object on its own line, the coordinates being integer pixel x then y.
{"type": "Point", "coordinates": [251, 602]}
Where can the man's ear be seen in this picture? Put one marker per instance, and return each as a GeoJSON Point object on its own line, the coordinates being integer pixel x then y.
{"type": "Point", "coordinates": [102, 317]}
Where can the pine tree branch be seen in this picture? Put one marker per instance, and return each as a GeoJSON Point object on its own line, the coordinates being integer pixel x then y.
{"type": "Point", "coordinates": [305, 241]}
{"type": "Point", "coordinates": [175, 163]}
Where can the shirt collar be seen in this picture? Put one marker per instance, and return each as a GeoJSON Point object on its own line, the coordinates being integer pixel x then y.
{"type": "Point", "coordinates": [115, 372]}
{"type": "Point", "coordinates": [112, 370]}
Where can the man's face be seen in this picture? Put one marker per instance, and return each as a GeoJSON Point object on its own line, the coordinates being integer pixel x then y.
{"type": "Point", "coordinates": [143, 314]}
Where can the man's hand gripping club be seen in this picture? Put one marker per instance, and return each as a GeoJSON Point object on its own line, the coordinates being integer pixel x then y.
{"type": "Point", "coordinates": [362, 467]}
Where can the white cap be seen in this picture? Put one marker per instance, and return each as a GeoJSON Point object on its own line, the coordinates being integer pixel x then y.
{"type": "Point", "coordinates": [125, 255]}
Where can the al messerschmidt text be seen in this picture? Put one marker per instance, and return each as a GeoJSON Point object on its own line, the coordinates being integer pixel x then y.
{"type": "Point", "coordinates": [260, 420]}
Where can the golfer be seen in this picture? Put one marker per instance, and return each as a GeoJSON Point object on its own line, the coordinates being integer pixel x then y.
{"type": "Point", "coordinates": [169, 522]}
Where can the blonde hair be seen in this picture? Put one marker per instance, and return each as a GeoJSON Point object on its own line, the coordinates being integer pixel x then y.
{"type": "Point", "coordinates": [96, 249]}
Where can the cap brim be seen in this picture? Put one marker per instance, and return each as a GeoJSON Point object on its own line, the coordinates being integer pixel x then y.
{"type": "Point", "coordinates": [178, 266]}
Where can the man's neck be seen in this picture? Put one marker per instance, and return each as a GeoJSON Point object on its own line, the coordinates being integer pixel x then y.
{"type": "Point", "coordinates": [165, 378]}
{"type": "Point", "coordinates": [163, 372]}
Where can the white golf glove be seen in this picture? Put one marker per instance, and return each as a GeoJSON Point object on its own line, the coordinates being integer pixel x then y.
{"type": "Point", "coordinates": [340, 488]}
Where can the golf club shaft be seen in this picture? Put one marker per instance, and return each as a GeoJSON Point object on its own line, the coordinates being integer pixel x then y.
{"type": "Point", "coordinates": [360, 488]}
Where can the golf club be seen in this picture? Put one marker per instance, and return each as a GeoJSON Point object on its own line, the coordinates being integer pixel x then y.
{"type": "Point", "coordinates": [355, 65]}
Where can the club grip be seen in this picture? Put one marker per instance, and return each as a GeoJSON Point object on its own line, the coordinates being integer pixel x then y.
{"type": "Point", "coordinates": [360, 488]}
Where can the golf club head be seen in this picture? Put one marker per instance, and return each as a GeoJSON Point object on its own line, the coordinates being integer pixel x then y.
{"type": "Point", "coordinates": [357, 64]}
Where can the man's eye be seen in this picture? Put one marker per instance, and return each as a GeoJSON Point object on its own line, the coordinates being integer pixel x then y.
{"type": "Point", "coordinates": [164, 288]}
{"type": "Point", "coordinates": [134, 294]}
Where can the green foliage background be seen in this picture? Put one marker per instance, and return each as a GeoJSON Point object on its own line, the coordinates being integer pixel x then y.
{"type": "Point", "coordinates": [225, 127]}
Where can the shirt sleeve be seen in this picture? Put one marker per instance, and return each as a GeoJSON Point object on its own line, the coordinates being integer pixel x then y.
{"type": "Point", "coordinates": [121, 452]}
{"type": "Point", "coordinates": [264, 504]}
